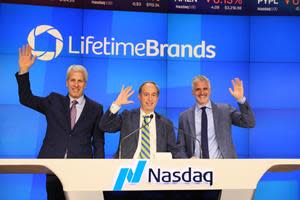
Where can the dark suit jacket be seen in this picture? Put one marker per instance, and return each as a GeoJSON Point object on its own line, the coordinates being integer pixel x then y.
{"type": "Point", "coordinates": [224, 116]}
{"type": "Point", "coordinates": [84, 141]}
{"type": "Point", "coordinates": [128, 121]}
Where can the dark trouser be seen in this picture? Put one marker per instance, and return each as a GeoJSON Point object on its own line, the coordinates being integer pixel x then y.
{"type": "Point", "coordinates": [54, 188]}
{"type": "Point", "coordinates": [164, 195]}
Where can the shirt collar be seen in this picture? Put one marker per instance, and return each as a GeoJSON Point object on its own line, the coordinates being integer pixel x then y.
{"type": "Point", "coordinates": [208, 105]}
{"type": "Point", "coordinates": [79, 100]}
{"type": "Point", "coordinates": [144, 114]}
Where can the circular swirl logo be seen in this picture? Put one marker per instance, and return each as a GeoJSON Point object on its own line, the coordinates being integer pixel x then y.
{"type": "Point", "coordinates": [45, 55]}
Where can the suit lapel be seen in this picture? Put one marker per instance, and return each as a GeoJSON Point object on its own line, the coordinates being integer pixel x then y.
{"type": "Point", "coordinates": [192, 129]}
{"type": "Point", "coordinates": [67, 112]}
{"type": "Point", "coordinates": [159, 128]}
{"type": "Point", "coordinates": [136, 118]}
{"type": "Point", "coordinates": [216, 118]}
{"type": "Point", "coordinates": [131, 145]}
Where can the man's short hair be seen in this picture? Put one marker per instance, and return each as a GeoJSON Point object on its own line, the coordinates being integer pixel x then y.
{"type": "Point", "coordinates": [200, 78]}
{"type": "Point", "coordinates": [157, 88]}
{"type": "Point", "coordinates": [78, 68]}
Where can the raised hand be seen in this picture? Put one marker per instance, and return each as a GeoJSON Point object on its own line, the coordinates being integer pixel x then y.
{"type": "Point", "coordinates": [238, 89]}
{"type": "Point", "coordinates": [26, 59]}
{"type": "Point", "coordinates": [124, 95]}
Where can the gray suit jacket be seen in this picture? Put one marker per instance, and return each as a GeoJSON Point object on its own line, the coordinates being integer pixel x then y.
{"type": "Point", "coordinates": [224, 116]}
{"type": "Point", "coordinates": [128, 121]}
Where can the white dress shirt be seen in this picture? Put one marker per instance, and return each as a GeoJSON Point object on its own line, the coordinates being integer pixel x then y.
{"type": "Point", "coordinates": [152, 128]}
{"type": "Point", "coordinates": [213, 148]}
{"type": "Point", "coordinates": [114, 108]}
{"type": "Point", "coordinates": [79, 106]}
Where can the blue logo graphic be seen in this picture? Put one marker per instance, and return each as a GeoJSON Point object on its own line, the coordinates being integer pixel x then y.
{"type": "Point", "coordinates": [131, 177]}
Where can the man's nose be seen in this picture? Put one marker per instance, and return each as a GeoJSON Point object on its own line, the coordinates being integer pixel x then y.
{"type": "Point", "coordinates": [202, 92]}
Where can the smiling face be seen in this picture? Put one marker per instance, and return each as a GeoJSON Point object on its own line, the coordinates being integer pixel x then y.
{"type": "Point", "coordinates": [76, 84]}
{"type": "Point", "coordinates": [148, 97]}
{"type": "Point", "coordinates": [201, 91]}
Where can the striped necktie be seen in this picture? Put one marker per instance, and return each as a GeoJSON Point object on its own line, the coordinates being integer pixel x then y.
{"type": "Point", "coordinates": [145, 142]}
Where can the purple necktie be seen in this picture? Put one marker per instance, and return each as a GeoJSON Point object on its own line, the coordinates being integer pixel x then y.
{"type": "Point", "coordinates": [73, 113]}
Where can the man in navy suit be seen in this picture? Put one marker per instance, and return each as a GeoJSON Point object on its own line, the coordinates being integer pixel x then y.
{"type": "Point", "coordinates": [161, 136]}
{"type": "Point", "coordinates": [72, 120]}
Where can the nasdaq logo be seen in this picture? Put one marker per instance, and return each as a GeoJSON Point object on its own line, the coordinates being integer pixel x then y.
{"type": "Point", "coordinates": [180, 176]}
{"type": "Point", "coordinates": [165, 176]}
{"type": "Point", "coordinates": [132, 177]}
{"type": "Point", "coordinates": [41, 53]}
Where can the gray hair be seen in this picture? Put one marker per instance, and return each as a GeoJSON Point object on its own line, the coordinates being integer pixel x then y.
{"type": "Point", "coordinates": [78, 68]}
{"type": "Point", "coordinates": [200, 78]}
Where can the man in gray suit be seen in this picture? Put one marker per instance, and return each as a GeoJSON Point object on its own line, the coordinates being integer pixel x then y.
{"type": "Point", "coordinates": [133, 124]}
{"type": "Point", "coordinates": [210, 124]}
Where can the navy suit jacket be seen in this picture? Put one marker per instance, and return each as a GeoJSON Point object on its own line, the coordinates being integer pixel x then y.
{"type": "Point", "coordinates": [129, 121]}
{"type": "Point", "coordinates": [224, 117]}
{"type": "Point", "coordinates": [85, 140]}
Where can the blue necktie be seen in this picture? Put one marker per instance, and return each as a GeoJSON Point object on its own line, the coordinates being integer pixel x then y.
{"type": "Point", "coordinates": [204, 137]}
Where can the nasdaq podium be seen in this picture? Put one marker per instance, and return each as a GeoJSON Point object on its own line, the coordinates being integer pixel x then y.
{"type": "Point", "coordinates": [88, 178]}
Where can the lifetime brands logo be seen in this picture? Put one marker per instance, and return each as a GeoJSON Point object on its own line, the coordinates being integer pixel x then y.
{"type": "Point", "coordinates": [45, 29]}
{"type": "Point", "coordinates": [158, 176]}
{"type": "Point", "coordinates": [86, 45]}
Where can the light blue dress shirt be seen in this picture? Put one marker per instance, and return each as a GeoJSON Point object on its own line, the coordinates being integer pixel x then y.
{"type": "Point", "coordinates": [213, 147]}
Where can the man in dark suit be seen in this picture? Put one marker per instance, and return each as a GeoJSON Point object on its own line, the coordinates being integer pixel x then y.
{"type": "Point", "coordinates": [205, 128]}
{"type": "Point", "coordinates": [156, 134]}
{"type": "Point", "coordinates": [161, 136]}
{"type": "Point", "coordinates": [72, 120]}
